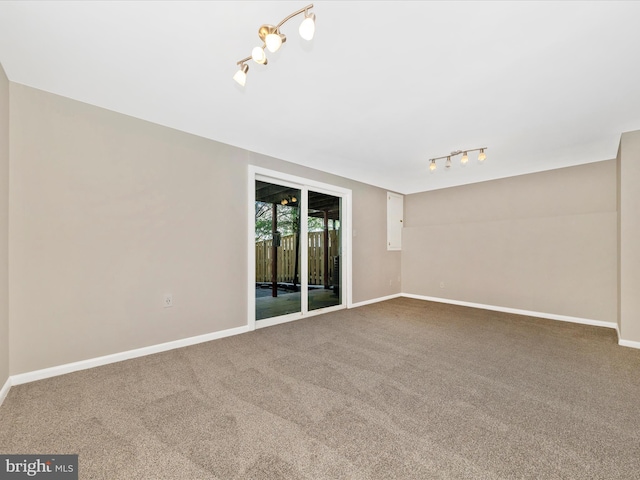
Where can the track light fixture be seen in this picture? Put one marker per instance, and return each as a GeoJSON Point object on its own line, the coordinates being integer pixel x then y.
{"type": "Point", "coordinates": [464, 160]}
{"type": "Point", "coordinates": [241, 75]}
{"type": "Point", "coordinates": [308, 26]}
{"type": "Point", "coordinates": [272, 39]}
{"type": "Point", "coordinates": [288, 200]}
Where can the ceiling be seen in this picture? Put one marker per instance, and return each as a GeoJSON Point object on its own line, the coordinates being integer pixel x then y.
{"type": "Point", "coordinates": [383, 86]}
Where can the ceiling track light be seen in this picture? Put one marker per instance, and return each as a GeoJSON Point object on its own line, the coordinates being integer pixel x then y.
{"type": "Point", "coordinates": [272, 39]}
{"type": "Point", "coordinates": [288, 200]}
{"type": "Point", "coordinates": [465, 157]}
{"type": "Point", "coordinates": [241, 75]}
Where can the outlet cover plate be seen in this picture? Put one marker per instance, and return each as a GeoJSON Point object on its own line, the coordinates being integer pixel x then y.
{"type": "Point", "coordinates": [168, 300]}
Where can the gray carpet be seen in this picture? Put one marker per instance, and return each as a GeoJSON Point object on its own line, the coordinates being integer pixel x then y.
{"type": "Point", "coordinates": [403, 389]}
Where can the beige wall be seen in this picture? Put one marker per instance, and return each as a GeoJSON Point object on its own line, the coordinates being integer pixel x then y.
{"type": "Point", "coordinates": [544, 242]}
{"type": "Point", "coordinates": [629, 164]}
{"type": "Point", "coordinates": [109, 212]}
{"type": "Point", "coordinates": [4, 227]}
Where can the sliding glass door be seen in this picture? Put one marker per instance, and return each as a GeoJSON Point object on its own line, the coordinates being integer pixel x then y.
{"type": "Point", "coordinates": [323, 233]}
{"type": "Point", "coordinates": [277, 233]}
{"type": "Point", "coordinates": [298, 250]}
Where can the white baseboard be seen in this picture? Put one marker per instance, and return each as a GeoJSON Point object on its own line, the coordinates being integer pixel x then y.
{"type": "Point", "coordinates": [375, 300]}
{"type": "Point", "coordinates": [119, 357]}
{"type": "Point", "coordinates": [517, 311]}
{"type": "Point", "coordinates": [628, 343]}
{"type": "Point", "coordinates": [4, 391]}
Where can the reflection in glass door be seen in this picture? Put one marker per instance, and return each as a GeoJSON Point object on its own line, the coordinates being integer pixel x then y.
{"type": "Point", "coordinates": [324, 252]}
{"type": "Point", "coordinates": [277, 244]}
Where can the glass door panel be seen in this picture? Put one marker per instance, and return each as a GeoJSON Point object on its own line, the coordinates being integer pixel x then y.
{"type": "Point", "coordinates": [277, 244]}
{"type": "Point", "coordinates": [324, 219]}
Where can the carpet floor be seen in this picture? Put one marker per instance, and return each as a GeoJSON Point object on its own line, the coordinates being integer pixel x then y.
{"type": "Point", "coordinates": [403, 389]}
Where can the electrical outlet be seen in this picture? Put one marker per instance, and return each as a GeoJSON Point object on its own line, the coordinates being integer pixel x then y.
{"type": "Point", "coordinates": [442, 285]}
{"type": "Point", "coordinates": [168, 300]}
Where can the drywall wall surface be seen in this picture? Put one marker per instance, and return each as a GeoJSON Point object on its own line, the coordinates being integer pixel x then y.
{"type": "Point", "coordinates": [586, 188]}
{"type": "Point", "coordinates": [544, 242]}
{"type": "Point", "coordinates": [4, 227]}
{"type": "Point", "coordinates": [630, 236]}
{"type": "Point", "coordinates": [109, 213]}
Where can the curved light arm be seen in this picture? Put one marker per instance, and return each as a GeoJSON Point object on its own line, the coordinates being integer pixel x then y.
{"type": "Point", "coordinates": [289, 17]}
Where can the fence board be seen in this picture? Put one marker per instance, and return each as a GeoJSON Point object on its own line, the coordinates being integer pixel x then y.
{"type": "Point", "coordinates": [287, 258]}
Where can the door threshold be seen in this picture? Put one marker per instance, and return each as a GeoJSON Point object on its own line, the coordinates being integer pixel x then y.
{"type": "Point", "coordinates": [292, 317]}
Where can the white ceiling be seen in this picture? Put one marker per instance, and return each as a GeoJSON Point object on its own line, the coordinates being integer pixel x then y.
{"type": "Point", "coordinates": [382, 87]}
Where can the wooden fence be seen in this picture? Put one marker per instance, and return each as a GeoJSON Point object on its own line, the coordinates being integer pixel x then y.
{"type": "Point", "coordinates": [287, 258]}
